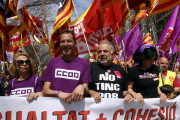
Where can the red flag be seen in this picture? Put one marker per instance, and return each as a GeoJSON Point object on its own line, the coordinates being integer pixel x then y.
{"type": "Point", "coordinates": [95, 20]}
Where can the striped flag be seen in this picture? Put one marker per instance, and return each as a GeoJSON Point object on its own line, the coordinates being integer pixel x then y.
{"type": "Point", "coordinates": [138, 17]}
{"type": "Point", "coordinates": [27, 24]}
{"type": "Point", "coordinates": [159, 7]}
{"type": "Point", "coordinates": [148, 40]}
{"type": "Point", "coordinates": [125, 15]}
{"type": "Point", "coordinates": [64, 12]}
{"type": "Point", "coordinates": [3, 28]}
{"type": "Point", "coordinates": [106, 3]}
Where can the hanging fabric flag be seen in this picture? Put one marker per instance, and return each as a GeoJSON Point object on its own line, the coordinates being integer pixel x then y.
{"type": "Point", "coordinates": [3, 28]}
{"type": "Point", "coordinates": [165, 40]}
{"type": "Point", "coordinates": [148, 40]}
{"type": "Point", "coordinates": [15, 40]}
{"type": "Point", "coordinates": [106, 3]}
{"type": "Point", "coordinates": [37, 32]}
{"type": "Point", "coordinates": [131, 42]}
{"type": "Point", "coordinates": [159, 7]}
{"type": "Point", "coordinates": [93, 38]}
{"type": "Point", "coordinates": [96, 19]}
{"type": "Point", "coordinates": [65, 10]}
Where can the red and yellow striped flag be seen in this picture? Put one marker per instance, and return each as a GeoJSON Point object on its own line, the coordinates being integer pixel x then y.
{"type": "Point", "coordinates": [159, 7]}
{"type": "Point", "coordinates": [125, 15]}
{"type": "Point", "coordinates": [106, 3]}
{"type": "Point", "coordinates": [65, 10]}
{"type": "Point", "coordinates": [148, 40]}
{"type": "Point", "coordinates": [138, 17]}
{"type": "Point", "coordinates": [3, 28]}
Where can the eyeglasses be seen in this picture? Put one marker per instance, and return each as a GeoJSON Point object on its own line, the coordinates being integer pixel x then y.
{"type": "Point", "coordinates": [22, 61]}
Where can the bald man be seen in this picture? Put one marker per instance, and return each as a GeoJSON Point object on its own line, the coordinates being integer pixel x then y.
{"type": "Point", "coordinates": [122, 63]}
{"type": "Point", "coordinates": [169, 77]}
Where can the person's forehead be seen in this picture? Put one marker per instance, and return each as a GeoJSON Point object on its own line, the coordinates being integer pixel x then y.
{"type": "Point", "coordinates": [104, 46]}
{"type": "Point", "coordinates": [164, 60]}
{"type": "Point", "coordinates": [22, 57]}
{"type": "Point", "coordinates": [67, 35]}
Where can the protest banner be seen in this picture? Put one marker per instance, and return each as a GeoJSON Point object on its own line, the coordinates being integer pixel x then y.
{"type": "Point", "coordinates": [51, 108]}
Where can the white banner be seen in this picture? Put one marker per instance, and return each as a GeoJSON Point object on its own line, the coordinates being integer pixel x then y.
{"type": "Point", "coordinates": [51, 108]}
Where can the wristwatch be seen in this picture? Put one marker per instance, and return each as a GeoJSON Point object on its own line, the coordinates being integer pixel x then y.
{"type": "Point", "coordinates": [84, 87]}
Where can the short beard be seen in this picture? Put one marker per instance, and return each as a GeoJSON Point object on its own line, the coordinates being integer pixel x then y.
{"type": "Point", "coordinates": [108, 60]}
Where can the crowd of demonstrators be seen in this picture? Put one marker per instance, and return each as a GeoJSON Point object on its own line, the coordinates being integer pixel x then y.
{"type": "Point", "coordinates": [143, 78]}
{"type": "Point", "coordinates": [67, 76]}
{"type": "Point", "coordinates": [105, 73]}
{"type": "Point", "coordinates": [169, 77]}
{"type": "Point", "coordinates": [24, 82]}
{"type": "Point", "coordinates": [70, 78]}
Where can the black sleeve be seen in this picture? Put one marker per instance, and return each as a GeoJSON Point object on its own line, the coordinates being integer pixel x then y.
{"type": "Point", "coordinates": [131, 74]}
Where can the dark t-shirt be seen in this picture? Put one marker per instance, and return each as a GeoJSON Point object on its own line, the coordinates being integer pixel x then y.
{"type": "Point", "coordinates": [145, 81]}
{"type": "Point", "coordinates": [108, 81]}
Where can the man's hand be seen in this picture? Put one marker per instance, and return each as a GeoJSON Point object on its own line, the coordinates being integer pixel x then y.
{"type": "Point", "coordinates": [128, 98]}
{"type": "Point", "coordinates": [96, 96]}
{"type": "Point", "coordinates": [67, 97]}
{"type": "Point", "coordinates": [32, 96]}
{"type": "Point", "coordinates": [78, 93]}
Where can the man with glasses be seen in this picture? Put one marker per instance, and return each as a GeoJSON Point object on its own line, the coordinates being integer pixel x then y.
{"type": "Point", "coordinates": [67, 76]}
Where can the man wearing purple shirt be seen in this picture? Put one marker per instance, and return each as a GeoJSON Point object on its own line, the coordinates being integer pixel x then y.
{"type": "Point", "coordinates": [67, 76]}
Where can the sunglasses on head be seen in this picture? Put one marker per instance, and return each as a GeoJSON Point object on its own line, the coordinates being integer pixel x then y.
{"type": "Point", "coordinates": [22, 61]}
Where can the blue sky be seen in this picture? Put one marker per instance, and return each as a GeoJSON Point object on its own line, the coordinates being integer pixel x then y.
{"type": "Point", "coordinates": [81, 6]}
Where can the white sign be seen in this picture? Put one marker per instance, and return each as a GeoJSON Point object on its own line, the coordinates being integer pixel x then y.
{"type": "Point", "coordinates": [53, 108]}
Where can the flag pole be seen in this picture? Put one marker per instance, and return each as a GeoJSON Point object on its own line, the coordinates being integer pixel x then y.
{"type": "Point", "coordinates": [130, 20]}
{"type": "Point", "coordinates": [36, 56]}
{"type": "Point", "coordinates": [46, 27]}
{"type": "Point", "coordinates": [81, 28]}
{"type": "Point", "coordinates": [154, 40]}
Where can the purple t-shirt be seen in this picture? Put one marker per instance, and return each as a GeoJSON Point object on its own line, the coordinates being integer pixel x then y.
{"type": "Point", "coordinates": [23, 88]}
{"type": "Point", "coordinates": [66, 75]}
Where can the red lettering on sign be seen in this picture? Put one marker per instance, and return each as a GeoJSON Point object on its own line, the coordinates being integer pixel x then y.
{"type": "Point", "coordinates": [44, 115]}
{"type": "Point", "coordinates": [133, 114]}
{"type": "Point", "coordinates": [72, 115]}
{"type": "Point", "coordinates": [151, 113]}
{"type": "Point", "coordinates": [19, 115]}
{"type": "Point", "coordinates": [101, 117]}
{"type": "Point", "coordinates": [121, 111]}
{"type": "Point", "coordinates": [167, 108]}
{"type": "Point", "coordinates": [59, 114]}
{"type": "Point", "coordinates": [142, 116]}
{"type": "Point", "coordinates": [32, 115]}
{"type": "Point", "coordinates": [174, 111]}
{"type": "Point", "coordinates": [84, 113]}
{"type": "Point", "coordinates": [8, 115]}
{"type": "Point", "coordinates": [160, 113]}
